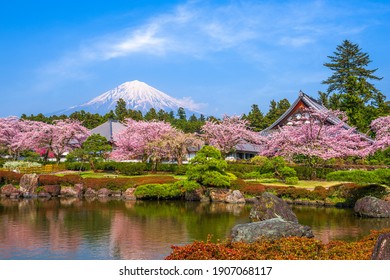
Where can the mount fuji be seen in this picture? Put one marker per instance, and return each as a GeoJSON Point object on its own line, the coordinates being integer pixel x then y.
{"type": "Point", "coordinates": [138, 96]}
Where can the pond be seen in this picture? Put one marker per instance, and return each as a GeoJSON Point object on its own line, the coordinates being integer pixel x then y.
{"type": "Point", "coordinates": [76, 229]}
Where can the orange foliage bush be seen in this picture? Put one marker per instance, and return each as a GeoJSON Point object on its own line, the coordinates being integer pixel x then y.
{"type": "Point", "coordinates": [290, 248]}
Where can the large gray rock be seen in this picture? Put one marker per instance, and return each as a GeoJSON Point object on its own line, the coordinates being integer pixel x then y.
{"type": "Point", "coordinates": [372, 207]}
{"type": "Point", "coordinates": [235, 197]}
{"type": "Point", "coordinates": [28, 184]}
{"type": "Point", "coordinates": [269, 229]}
{"type": "Point", "coordinates": [270, 206]}
{"type": "Point", "coordinates": [382, 247]}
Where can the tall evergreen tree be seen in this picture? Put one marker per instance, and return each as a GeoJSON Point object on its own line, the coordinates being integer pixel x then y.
{"type": "Point", "coordinates": [255, 118]}
{"type": "Point", "coordinates": [120, 110]}
{"type": "Point", "coordinates": [276, 109]}
{"type": "Point", "coordinates": [181, 113]}
{"type": "Point", "coordinates": [349, 87]}
{"type": "Point", "coordinates": [151, 114]}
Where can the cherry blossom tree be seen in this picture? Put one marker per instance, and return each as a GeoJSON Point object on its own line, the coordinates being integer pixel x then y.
{"type": "Point", "coordinates": [314, 137]}
{"type": "Point", "coordinates": [178, 145]}
{"type": "Point", "coordinates": [15, 135]}
{"type": "Point", "coordinates": [227, 133]}
{"type": "Point", "coordinates": [140, 140]}
{"type": "Point", "coordinates": [60, 137]}
{"type": "Point", "coordinates": [381, 127]}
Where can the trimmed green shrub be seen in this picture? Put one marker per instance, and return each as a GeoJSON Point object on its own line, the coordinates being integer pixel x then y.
{"type": "Point", "coordinates": [158, 191]}
{"type": "Point", "coordinates": [131, 169]}
{"type": "Point", "coordinates": [379, 176]}
{"type": "Point", "coordinates": [208, 168]}
{"type": "Point", "coordinates": [291, 180]}
{"type": "Point", "coordinates": [286, 172]}
{"type": "Point", "coordinates": [215, 179]}
{"type": "Point", "coordinates": [78, 166]}
{"type": "Point", "coordinates": [181, 169]}
{"type": "Point", "coordinates": [259, 160]}
{"type": "Point", "coordinates": [187, 186]}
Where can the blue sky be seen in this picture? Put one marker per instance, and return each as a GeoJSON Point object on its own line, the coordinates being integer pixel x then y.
{"type": "Point", "coordinates": [224, 55]}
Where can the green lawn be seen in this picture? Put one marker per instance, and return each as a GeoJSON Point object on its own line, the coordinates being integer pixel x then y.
{"type": "Point", "coordinates": [309, 184]}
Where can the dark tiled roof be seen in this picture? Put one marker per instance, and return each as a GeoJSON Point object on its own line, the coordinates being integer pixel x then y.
{"type": "Point", "coordinates": [248, 147]}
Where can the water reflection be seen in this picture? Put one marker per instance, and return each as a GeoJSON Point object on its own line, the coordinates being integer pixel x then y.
{"type": "Point", "coordinates": [115, 229]}
{"type": "Point", "coordinates": [337, 223]}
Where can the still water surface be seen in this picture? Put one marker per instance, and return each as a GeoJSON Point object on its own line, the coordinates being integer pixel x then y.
{"type": "Point", "coordinates": [114, 229]}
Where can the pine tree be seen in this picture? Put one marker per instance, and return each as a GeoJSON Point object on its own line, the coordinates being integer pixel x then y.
{"type": "Point", "coordinates": [255, 118]}
{"type": "Point", "coordinates": [349, 87]}
{"type": "Point", "coordinates": [276, 109]}
{"type": "Point", "coordinates": [120, 109]}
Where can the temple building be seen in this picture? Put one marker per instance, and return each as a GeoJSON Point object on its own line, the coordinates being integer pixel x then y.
{"type": "Point", "coordinates": [296, 112]}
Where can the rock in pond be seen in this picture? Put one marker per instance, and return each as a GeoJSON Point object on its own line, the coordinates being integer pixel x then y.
{"type": "Point", "coordinates": [270, 206]}
{"type": "Point", "coordinates": [235, 197]}
{"type": "Point", "coordinates": [382, 247]}
{"type": "Point", "coordinates": [90, 193]}
{"type": "Point", "coordinates": [104, 192]}
{"type": "Point", "coordinates": [269, 229]}
{"type": "Point", "coordinates": [9, 190]}
{"type": "Point", "coordinates": [28, 184]}
{"type": "Point", "coordinates": [372, 207]}
{"type": "Point", "coordinates": [76, 191]}
{"type": "Point", "coordinates": [52, 190]}
{"type": "Point", "coordinates": [129, 194]}
{"type": "Point", "coordinates": [218, 195]}
{"type": "Point", "coordinates": [195, 195]}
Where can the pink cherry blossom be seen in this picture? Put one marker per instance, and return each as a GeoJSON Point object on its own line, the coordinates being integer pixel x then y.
{"type": "Point", "coordinates": [315, 136]}
{"type": "Point", "coordinates": [381, 127]}
{"type": "Point", "coordinates": [228, 133]}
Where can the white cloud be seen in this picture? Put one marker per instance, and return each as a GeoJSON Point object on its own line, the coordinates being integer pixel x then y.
{"type": "Point", "coordinates": [197, 29]}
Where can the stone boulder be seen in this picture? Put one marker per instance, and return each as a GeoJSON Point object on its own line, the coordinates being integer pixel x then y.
{"type": "Point", "coordinates": [269, 229]}
{"type": "Point", "coordinates": [52, 190]}
{"type": "Point", "coordinates": [104, 192]}
{"type": "Point", "coordinates": [235, 197]}
{"type": "Point", "coordinates": [129, 194]}
{"type": "Point", "coordinates": [116, 193]}
{"type": "Point", "coordinates": [28, 184]}
{"type": "Point", "coordinates": [372, 207]}
{"type": "Point", "coordinates": [9, 190]}
{"type": "Point", "coordinates": [90, 193]}
{"type": "Point", "coordinates": [76, 191]}
{"type": "Point", "coordinates": [270, 206]}
{"type": "Point", "coordinates": [218, 195]}
{"type": "Point", "coordinates": [382, 247]}
{"type": "Point", "coordinates": [196, 195]}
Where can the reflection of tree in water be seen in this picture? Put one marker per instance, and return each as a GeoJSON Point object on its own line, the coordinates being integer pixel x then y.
{"type": "Point", "coordinates": [35, 226]}
{"type": "Point", "coordinates": [116, 229]}
{"type": "Point", "coordinates": [337, 223]}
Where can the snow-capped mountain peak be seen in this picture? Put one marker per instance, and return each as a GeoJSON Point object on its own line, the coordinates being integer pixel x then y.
{"type": "Point", "coordinates": [138, 96]}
